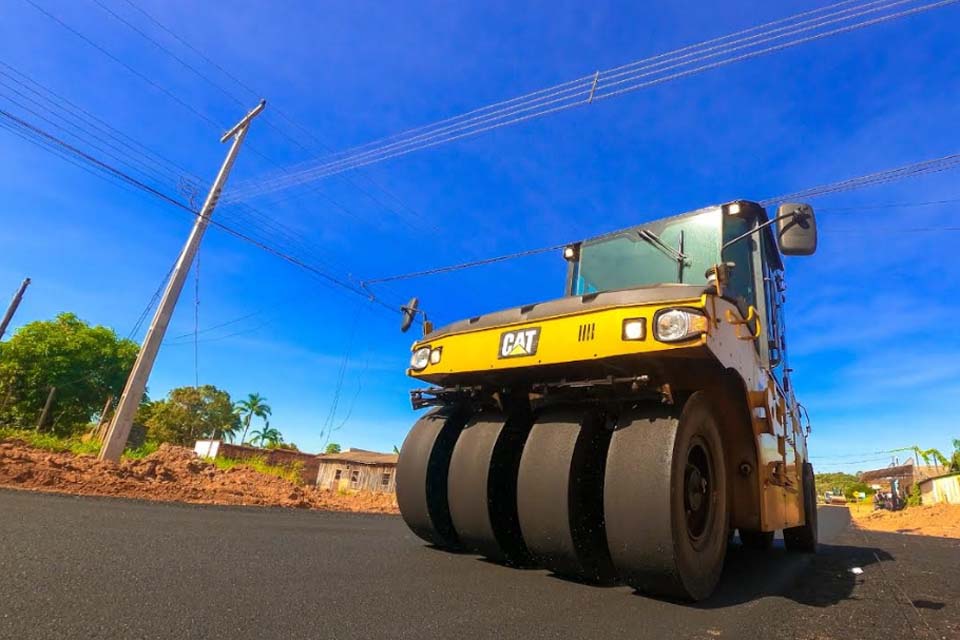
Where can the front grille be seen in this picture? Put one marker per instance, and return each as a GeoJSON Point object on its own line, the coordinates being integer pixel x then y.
{"type": "Point", "coordinates": [587, 332]}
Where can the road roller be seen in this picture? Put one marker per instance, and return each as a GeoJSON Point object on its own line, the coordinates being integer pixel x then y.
{"type": "Point", "coordinates": [625, 432]}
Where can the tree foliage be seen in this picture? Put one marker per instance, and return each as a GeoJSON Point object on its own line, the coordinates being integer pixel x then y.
{"type": "Point", "coordinates": [85, 363]}
{"type": "Point", "coordinates": [267, 437]}
{"type": "Point", "coordinates": [843, 482]}
{"type": "Point", "coordinates": [189, 414]}
{"type": "Point", "coordinates": [333, 447]}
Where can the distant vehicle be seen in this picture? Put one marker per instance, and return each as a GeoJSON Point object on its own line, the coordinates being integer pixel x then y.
{"type": "Point", "coordinates": [621, 431]}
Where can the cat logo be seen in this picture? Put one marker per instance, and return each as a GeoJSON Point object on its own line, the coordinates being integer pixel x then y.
{"type": "Point", "coordinates": [522, 342]}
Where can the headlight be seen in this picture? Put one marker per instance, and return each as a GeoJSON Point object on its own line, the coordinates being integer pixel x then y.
{"type": "Point", "coordinates": [673, 325]}
{"type": "Point", "coordinates": [435, 355]}
{"type": "Point", "coordinates": [634, 329]}
{"type": "Point", "coordinates": [420, 358]}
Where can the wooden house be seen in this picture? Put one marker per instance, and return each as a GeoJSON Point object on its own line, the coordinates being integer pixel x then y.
{"type": "Point", "coordinates": [357, 470]}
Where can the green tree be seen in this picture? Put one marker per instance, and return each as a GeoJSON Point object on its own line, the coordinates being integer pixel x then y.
{"type": "Point", "coordinates": [333, 447]}
{"type": "Point", "coordinates": [85, 363]}
{"type": "Point", "coordinates": [254, 406]}
{"type": "Point", "coordinates": [267, 437]}
{"type": "Point", "coordinates": [189, 414]}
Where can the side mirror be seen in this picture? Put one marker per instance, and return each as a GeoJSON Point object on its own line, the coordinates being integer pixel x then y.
{"type": "Point", "coordinates": [409, 312]}
{"type": "Point", "coordinates": [796, 229]}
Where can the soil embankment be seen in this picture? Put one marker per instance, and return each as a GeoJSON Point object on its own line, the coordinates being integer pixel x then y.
{"type": "Point", "coordinates": [941, 520]}
{"type": "Point", "coordinates": [171, 474]}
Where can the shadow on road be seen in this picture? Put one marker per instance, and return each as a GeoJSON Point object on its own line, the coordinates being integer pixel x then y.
{"type": "Point", "coordinates": [820, 580]}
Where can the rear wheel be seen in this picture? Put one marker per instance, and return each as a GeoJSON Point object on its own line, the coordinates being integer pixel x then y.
{"type": "Point", "coordinates": [559, 494]}
{"type": "Point", "coordinates": [804, 537]}
{"type": "Point", "coordinates": [422, 473]}
{"type": "Point", "coordinates": [665, 500]}
{"type": "Point", "coordinates": [482, 486]}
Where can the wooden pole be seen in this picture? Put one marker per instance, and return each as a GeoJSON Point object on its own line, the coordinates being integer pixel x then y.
{"type": "Point", "coordinates": [101, 430]}
{"type": "Point", "coordinates": [45, 415]}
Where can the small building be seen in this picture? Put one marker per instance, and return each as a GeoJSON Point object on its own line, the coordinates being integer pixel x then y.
{"type": "Point", "coordinates": [941, 489]}
{"type": "Point", "coordinates": [906, 476]}
{"type": "Point", "coordinates": [358, 470]}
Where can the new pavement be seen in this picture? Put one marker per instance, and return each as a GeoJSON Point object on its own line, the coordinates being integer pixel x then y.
{"type": "Point", "coordinates": [106, 568]}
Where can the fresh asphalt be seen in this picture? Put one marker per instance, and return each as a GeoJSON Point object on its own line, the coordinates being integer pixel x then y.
{"type": "Point", "coordinates": [107, 568]}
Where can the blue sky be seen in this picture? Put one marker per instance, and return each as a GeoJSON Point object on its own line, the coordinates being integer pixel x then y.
{"type": "Point", "coordinates": [870, 316]}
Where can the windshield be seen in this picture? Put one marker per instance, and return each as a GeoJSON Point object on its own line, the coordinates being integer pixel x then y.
{"type": "Point", "coordinates": [629, 259]}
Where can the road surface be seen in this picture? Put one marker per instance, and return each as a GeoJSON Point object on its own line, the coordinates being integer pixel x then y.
{"type": "Point", "coordinates": [106, 568]}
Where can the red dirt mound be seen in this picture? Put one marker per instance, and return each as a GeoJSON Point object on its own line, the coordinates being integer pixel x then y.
{"type": "Point", "coordinates": [171, 474]}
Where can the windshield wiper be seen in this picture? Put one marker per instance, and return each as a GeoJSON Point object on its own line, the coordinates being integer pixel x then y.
{"type": "Point", "coordinates": [676, 254]}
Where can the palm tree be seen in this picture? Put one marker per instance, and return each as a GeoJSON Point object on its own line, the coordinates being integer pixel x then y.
{"type": "Point", "coordinates": [254, 405]}
{"type": "Point", "coordinates": [267, 436]}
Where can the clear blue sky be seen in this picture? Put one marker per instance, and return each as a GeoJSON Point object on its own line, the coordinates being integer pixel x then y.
{"type": "Point", "coordinates": [872, 316]}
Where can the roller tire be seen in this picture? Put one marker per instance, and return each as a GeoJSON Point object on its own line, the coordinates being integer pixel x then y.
{"type": "Point", "coordinates": [646, 500]}
{"type": "Point", "coordinates": [559, 494]}
{"type": "Point", "coordinates": [803, 539]}
{"type": "Point", "coordinates": [422, 472]}
{"type": "Point", "coordinates": [482, 486]}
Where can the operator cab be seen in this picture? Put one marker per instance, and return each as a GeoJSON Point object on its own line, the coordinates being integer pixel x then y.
{"type": "Point", "coordinates": [736, 239]}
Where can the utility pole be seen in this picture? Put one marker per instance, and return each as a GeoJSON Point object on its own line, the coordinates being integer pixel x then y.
{"type": "Point", "coordinates": [99, 430]}
{"type": "Point", "coordinates": [119, 430]}
{"type": "Point", "coordinates": [45, 415]}
{"type": "Point", "coordinates": [12, 309]}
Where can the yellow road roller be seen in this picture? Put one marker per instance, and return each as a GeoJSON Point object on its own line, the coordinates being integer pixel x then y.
{"type": "Point", "coordinates": [623, 432]}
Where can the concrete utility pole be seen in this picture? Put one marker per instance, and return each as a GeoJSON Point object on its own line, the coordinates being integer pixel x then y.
{"type": "Point", "coordinates": [126, 409]}
{"type": "Point", "coordinates": [12, 309]}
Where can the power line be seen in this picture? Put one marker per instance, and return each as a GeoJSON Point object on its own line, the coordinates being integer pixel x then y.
{"type": "Point", "coordinates": [233, 96]}
{"type": "Point", "coordinates": [88, 129]}
{"type": "Point", "coordinates": [880, 177]}
{"type": "Point", "coordinates": [589, 89]}
{"type": "Point", "coordinates": [131, 181]}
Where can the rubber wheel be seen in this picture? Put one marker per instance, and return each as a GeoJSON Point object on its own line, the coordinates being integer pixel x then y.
{"type": "Point", "coordinates": [804, 538]}
{"type": "Point", "coordinates": [756, 540]}
{"type": "Point", "coordinates": [422, 472]}
{"type": "Point", "coordinates": [482, 487]}
{"type": "Point", "coordinates": [559, 494]}
{"type": "Point", "coordinates": [665, 500]}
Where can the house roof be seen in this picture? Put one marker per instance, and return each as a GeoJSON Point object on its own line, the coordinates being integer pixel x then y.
{"type": "Point", "coordinates": [902, 471]}
{"type": "Point", "coordinates": [360, 456]}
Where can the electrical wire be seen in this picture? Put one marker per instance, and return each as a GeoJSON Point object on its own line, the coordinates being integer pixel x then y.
{"type": "Point", "coordinates": [132, 181]}
{"type": "Point", "coordinates": [583, 91]}
{"type": "Point", "coordinates": [880, 177]}
{"type": "Point", "coordinates": [88, 129]}
{"type": "Point", "coordinates": [236, 99]}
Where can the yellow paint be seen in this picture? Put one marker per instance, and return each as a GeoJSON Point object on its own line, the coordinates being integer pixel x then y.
{"type": "Point", "coordinates": [479, 349]}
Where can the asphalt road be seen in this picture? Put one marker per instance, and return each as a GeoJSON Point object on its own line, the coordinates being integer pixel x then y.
{"type": "Point", "coordinates": [106, 568]}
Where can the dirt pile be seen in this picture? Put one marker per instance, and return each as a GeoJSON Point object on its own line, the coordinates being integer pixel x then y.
{"type": "Point", "coordinates": [941, 520]}
{"type": "Point", "coordinates": [171, 474]}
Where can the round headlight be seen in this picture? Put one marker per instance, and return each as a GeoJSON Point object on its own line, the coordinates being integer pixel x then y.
{"type": "Point", "coordinates": [420, 358]}
{"type": "Point", "coordinates": [672, 325]}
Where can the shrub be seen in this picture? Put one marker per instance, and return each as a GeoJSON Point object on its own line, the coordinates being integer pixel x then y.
{"type": "Point", "coordinates": [914, 499]}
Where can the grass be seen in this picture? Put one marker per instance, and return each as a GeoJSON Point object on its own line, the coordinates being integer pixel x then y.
{"type": "Point", "coordinates": [50, 442]}
{"type": "Point", "coordinates": [259, 464]}
{"type": "Point", "coordinates": [69, 444]}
